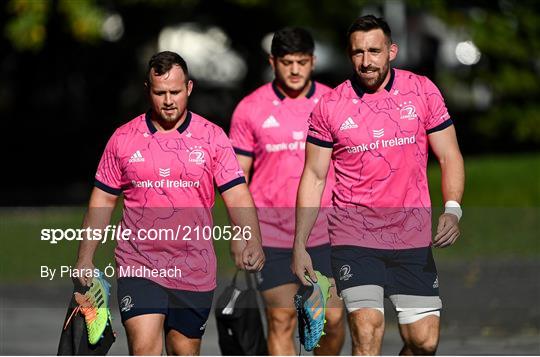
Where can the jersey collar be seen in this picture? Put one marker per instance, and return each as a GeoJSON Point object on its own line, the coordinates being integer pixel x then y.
{"type": "Point", "coordinates": [152, 128]}
{"type": "Point", "coordinates": [281, 96]}
{"type": "Point", "coordinates": [360, 91]}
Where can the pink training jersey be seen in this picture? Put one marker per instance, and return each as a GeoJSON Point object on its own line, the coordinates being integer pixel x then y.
{"type": "Point", "coordinates": [380, 153]}
{"type": "Point", "coordinates": [167, 179]}
{"type": "Point", "coordinates": [272, 129]}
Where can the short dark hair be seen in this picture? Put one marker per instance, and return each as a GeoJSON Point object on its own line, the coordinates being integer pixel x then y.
{"type": "Point", "coordinates": [162, 63]}
{"type": "Point", "coordinates": [292, 40]}
{"type": "Point", "coordinates": [368, 23]}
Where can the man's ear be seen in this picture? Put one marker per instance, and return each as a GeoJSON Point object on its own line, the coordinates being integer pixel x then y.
{"type": "Point", "coordinates": [189, 87]}
{"type": "Point", "coordinates": [393, 51]}
{"type": "Point", "coordinates": [272, 60]}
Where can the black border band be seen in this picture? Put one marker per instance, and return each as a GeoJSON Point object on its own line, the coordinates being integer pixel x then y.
{"type": "Point", "coordinates": [149, 124]}
{"type": "Point", "coordinates": [152, 128]}
{"type": "Point", "coordinates": [281, 96]}
{"type": "Point", "coordinates": [278, 94]}
{"type": "Point", "coordinates": [388, 86]}
{"type": "Point", "coordinates": [231, 184]}
{"type": "Point", "coordinates": [185, 124]}
{"type": "Point", "coordinates": [108, 189]}
{"type": "Point", "coordinates": [311, 91]}
{"type": "Point", "coordinates": [360, 91]}
{"type": "Point", "coordinates": [319, 142]}
{"type": "Point", "coordinates": [441, 126]}
{"type": "Point", "coordinates": [242, 152]}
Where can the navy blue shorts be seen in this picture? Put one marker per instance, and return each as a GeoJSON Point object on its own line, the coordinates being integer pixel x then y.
{"type": "Point", "coordinates": [277, 268]}
{"type": "Point", "coordinates": [185, 311]}
{"type": "Point", "coordinates": [398, 272]}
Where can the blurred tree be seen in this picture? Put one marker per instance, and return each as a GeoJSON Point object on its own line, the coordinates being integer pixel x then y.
{"type": "Point", "coordinates": [27, 28]}
{"type": "Point", "coordinates": [84, 19]}
{"type": "Point", "coordinates": [68, 87]}
{"type": "Point", "coordinates": [507, 34]}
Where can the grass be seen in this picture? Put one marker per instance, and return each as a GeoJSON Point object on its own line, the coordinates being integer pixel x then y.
{"type": "Point", "coordinates": [501, 208]}
{"type": "Point", "coordinates": [501, 215]}
{"type": "Point", "coordinates": [496, 181]}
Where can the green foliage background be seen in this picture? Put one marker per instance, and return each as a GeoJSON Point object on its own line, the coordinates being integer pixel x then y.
{"type": "Point", "coordinates": [506, 32]}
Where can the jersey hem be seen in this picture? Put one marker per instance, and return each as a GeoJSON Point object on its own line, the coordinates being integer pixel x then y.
{"type": "Point", "coordinates": [231, 184]}
{"type": "Point", "coordinates": [107, 188]}
{"type": "Point", "coordinates": [440, 127]}
{"type": "Point", "coordinates": [319, 142]}
{"type": "Point", "coordinates": [243, 152]}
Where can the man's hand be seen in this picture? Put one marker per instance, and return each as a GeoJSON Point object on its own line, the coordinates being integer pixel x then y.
{"type": "Point", "coordinates": [85, 271]}
{"type": "Point", "coordinates": [237, 250]}
{"type": "Point", "coordinates": [253, 256]}
{"type": "Point", "coordinates": [243, 214]}
{"type": "Point", "coordinates": [447, 230]}
{"type": "Point", "coordinates": [301, 263]}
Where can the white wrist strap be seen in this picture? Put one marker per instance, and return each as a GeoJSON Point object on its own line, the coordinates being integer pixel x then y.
{"type": "Point", "coordinates": [454, 208]}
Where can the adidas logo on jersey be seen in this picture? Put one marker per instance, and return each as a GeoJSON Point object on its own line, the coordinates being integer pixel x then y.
{"type": "Point", "coordinates": [348, 124]}
{"type": "Point", "coordinates": [270, 122]}
{"type": "Point", "coordinates": [136, 157]}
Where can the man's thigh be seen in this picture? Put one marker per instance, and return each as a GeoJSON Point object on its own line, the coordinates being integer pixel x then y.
{"type": "Point", "coordinates": [180, 345]}
{"type": "Point", "coordinates": [280, 296]}
{"type": "Point", "coordinates": [277, 268]}
{"type": "Point", "coordinates": [188, 312]}
{"type": "Point", "coordinates": [413, 285]}
{"type": "Point", "coordinates": [138, 296]}
{"type": "Point", "coordinates": [360, 276]}
{"type": "Point", "coordinates": [145, 334]}
{"type": "Point", "coordinates": [185, 311]}
{"type": "Point", "coordinates": [280, 311]}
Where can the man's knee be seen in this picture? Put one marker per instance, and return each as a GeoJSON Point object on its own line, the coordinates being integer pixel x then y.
{"type": "Point", "coordinates": [334, 319]}
{"type": "Point", "coordinates": [367, 325]}
{"type": "Point", "coordinates": [144, 333]}
{"type": "Point", "coordinates": [425, 344]}
{"type": "Point", "coordinates": [146, 348]}
{"type": "Point", "coordinates": [151, 344]}
{"type": "Point", "coordinates": [281, 320]}
{"type": "Point", "coordinates": [422, 336]}
{"type": "Point", "coordinates": [367, 329]}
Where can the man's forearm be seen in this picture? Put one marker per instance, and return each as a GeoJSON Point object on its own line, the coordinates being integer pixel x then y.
{"type": "Point", "coordinates": [453, 177]}
{"type": "Point", "coordinates": [246, 219]}
{"type": "Point", "coordinates": [95, 219]}
{"type": "Point", "coordinates": [242, 212]}
{"type": "Point", "coordinates": [308, 202]}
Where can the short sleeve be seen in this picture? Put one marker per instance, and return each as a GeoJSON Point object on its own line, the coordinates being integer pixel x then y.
{"type": "Point", "coordinates": [319, 130]}
{"type": "Point", "coordinates": [227, 171]}
{"type": "Point", "coordinates": [109, 174]}
{"type": "Point", "coordinates": [241, 132]}
{"type": "Point", "coordinates": [437, 117]}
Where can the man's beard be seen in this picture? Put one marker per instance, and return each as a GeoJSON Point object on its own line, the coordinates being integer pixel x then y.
{"type": "Point", "coordinates": [298, 87]}
{"type": "Point", "coordinates": [169, 118]}
{"type": "Point", "coordinates": [372, 84]}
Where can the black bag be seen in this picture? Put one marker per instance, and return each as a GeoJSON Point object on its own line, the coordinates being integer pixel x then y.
{"type": "Point", "coordinates": [239, 323]}
{"type": "Point", "coordinates": [74, 337]}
